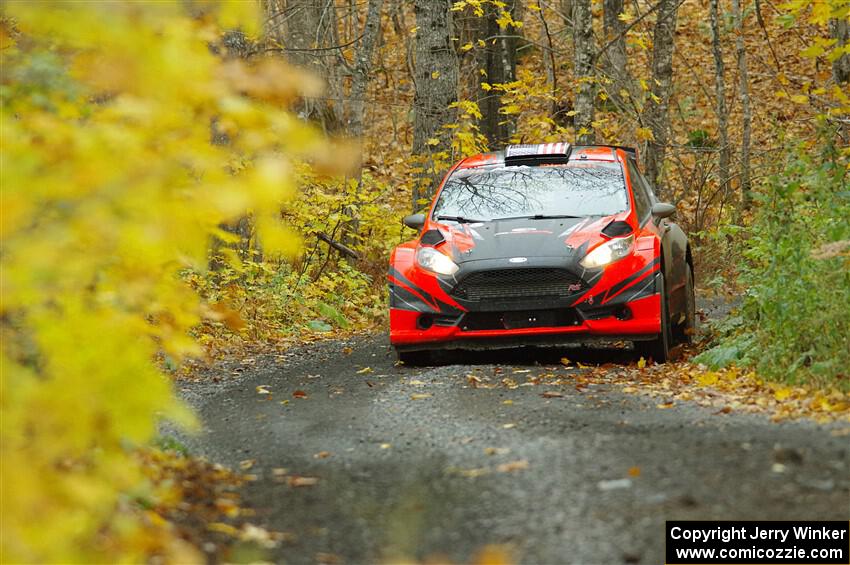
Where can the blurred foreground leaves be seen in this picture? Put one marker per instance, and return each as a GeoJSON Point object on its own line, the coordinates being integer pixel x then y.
{"type": "Point", "coordinates": [110, 188]}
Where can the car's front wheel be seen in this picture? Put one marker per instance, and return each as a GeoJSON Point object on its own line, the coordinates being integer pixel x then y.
{"type": "Point", "coordinates": [414, 358]}
{"type": "Point", "coordinates": [658, 349]}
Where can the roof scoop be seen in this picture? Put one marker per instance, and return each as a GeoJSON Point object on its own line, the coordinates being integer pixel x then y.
{"type": "Point", "coordinates": [538, 154]}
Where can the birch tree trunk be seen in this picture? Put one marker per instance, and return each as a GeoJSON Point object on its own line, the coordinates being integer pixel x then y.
{"type": "Point", "coordinates": [720, 95]}
{"type": "Point", "coordinates": [436, 82]}
{"type": "Point", "coordinates": [746, 112]}
{"type": "Point", "coordinates": [657, 114]}
{"type": "Point", "coordinates": [585, 49]}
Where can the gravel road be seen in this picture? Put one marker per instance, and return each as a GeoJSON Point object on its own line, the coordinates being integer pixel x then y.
{"type": "Point", "coordinates": [414, 463]}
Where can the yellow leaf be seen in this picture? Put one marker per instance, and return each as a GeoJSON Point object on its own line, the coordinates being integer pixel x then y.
{"type": "Point", "coordinates": [644, 134]}
{"type": "Point", "coordinates": [782, 393]}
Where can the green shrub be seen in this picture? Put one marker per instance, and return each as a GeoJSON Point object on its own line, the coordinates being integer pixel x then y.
{"type": "Point", "coordinates": [795, 317]}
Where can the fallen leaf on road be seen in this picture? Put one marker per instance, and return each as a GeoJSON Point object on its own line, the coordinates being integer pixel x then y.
{"type": "Point", "coordinates": [416, 383]}
{"type": "Point", "coordinates": [279, 471]}
{"type": "Point", "coordinates": [552, 394]}
{"type": "Point", "coordinates": [634, 471]}
{"type": "Point", "coordinates": [614, 484]}
{"type": "Point", "coordinates": [521, 371]}
{"type": "Point", "coordinates": [386, 445]}
{"type": "Point", "coordinates": [420, 396]}
{"type": "Point", "coordinates": [364, 370]}
{"type": "Point", "coordinates": [565, 361]}
{"type": "Point", "coordinates": [347, 350]}
{"type": "Point", "coordinates": [630, 389]}
{"type": "Point", "coordinates": [494, 555]}
{"type": "Point", "coordinates": [322, 455]}
{"type": "Point", "coordinates": [496, 450]}
{"type": "Point", "coordinates": [513, 466]}
{"type": "Point", "coordinates": [509, 426]}
{"type": "Point", "coordinates": [299, 394]}
{"type": "Point", "coordinates": [472, 473]}
{"type": "Point", "coordinates": [298, 481]}
{"type": "Point", "coordinates": [473, 380]}
{"type": "Point", "coordinates": [641, 363]}
{"type": "Point", "coordinates": [284, 402]}
{"type": "Point", "coordinates": [263, 389]}
{"type": "Point", "coordinates": [507, 402]}
{"type": "Point", "coordinates": [664, 405]}
{"type": "Point", "coordinates": [247, 464]}
{"type": "Point", "coordinates": [223, 528]}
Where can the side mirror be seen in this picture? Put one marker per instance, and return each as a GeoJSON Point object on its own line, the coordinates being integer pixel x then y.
{"type": "Point", "coordinates": [415, 221]}
{"type": "Point", "coordinates": [663, 210]}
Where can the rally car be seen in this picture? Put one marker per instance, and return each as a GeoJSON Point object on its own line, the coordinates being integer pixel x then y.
{"type": "Point", "coordinates": [544, 244]}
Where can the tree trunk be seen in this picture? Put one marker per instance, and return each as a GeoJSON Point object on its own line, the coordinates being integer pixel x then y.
{"type": "Point", "coordinates": [839, 29]}
{"type": "Point", "coordinates": [436, 85]}
{"type": "Point", "coordinates": [746, 112]}
{"type": "Point", "coordinates": [615, 59]}
{"type": "Point", "coordinates": [657, 109]}
{"type": "Point", "coordinates": [362, 68]}
{"type": "Point", "coordinates": [498, 60]}
{"type": "Point", "coordinates": [585, 49]}
{"type": "Point", "coordinates": [549, 61]}
{"type": "Point", "coordinates": [302, 29]}
{"type": "Point", "coordinates": [566, 10]}
{"type": "Point", "coordinates": [720, 95]}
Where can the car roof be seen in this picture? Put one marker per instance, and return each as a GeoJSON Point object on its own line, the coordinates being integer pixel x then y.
{"type": "Point", "coordinates": [606, 153]}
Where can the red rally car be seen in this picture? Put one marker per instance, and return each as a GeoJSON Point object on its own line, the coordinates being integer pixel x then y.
{"type": "Point", "coordinates": [542, 244]}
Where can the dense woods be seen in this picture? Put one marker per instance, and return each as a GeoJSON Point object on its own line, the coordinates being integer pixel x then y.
{"type": "Point", "coordinates": [185, 180]}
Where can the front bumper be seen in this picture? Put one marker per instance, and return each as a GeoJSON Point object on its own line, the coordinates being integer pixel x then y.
{"type": "Point", "coordinates": [638, 319]}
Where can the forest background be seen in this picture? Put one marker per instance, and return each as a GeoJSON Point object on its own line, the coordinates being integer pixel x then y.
{"type": "Point", "coordinates": [190, 181]}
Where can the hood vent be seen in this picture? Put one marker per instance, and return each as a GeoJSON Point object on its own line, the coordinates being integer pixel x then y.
{"type": "Point", "coordinates": [432, 238]}
{"type": "Point", "coordinates": [616, 229]}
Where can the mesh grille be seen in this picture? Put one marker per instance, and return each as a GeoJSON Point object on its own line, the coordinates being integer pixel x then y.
{"type": "Point", "coordinates": [517, 284]}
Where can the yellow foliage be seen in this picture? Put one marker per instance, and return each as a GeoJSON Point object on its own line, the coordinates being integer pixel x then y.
{"type": "Point", "coordinates": [110, 187]}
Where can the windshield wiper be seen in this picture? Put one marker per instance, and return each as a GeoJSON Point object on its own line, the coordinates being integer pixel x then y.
{"type": "Point", "coordinates": [460, 219]}
{"type": "Point", "coordinates": [541, 217]}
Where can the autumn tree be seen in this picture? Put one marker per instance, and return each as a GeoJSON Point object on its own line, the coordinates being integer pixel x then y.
{"type": "Point", "coordinates": [723, 172]}
{"type": "Point", "coordinates": [585, 50]}
{"type": "Point", "coordinates": [657, 114]}
{"type": "Point", "coordinates": [436, 86]}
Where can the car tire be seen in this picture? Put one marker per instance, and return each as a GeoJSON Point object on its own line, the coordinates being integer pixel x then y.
{"type": "Point", "coordinates": [686, 331]}
{"type": "Point", "coordinates": [414, 358]}
{"type": "Point", "coordinates": [658, 349]}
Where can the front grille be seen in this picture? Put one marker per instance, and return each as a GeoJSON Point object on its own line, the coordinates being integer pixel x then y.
{"type": "Point", "coordinates": [517, 283]}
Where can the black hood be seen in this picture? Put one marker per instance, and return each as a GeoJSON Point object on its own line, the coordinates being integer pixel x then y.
{"type": "Point", "coordinates": [516, 238]}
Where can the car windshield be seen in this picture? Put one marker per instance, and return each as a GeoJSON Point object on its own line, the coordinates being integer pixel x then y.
{"type": "Point", "coordinates": [581, 189]}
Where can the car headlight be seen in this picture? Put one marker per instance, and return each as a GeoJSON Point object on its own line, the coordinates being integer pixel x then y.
{"type": "Point", "coordinates": [608, 252]}
{"type": "Point", "coordinates": [432, 260]}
